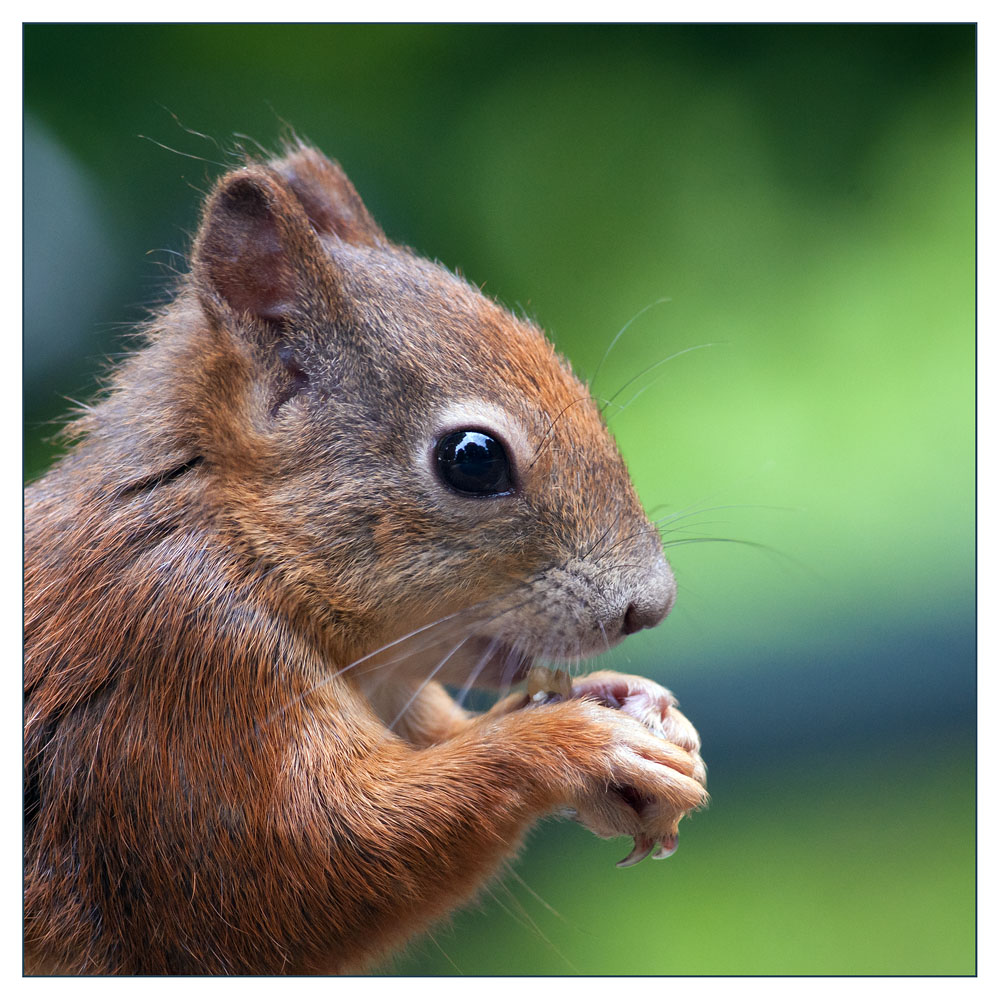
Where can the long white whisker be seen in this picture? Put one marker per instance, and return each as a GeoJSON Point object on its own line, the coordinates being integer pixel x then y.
{"type": "Point", "coordinates": [396, 642]}
{"type": "Point", "coordinates": [407, 655]}
{"type": "Point", "coordinates": [476, 671]}
{"type": "Point", "coordinates": [669, 523]}
{"type": "Point", "coordinates": [416, 694]}
{"type": "Point", "coordinates": [513, 871]}
{"type": "Point", "coordinates": [350, 666]}
{"type": "Point", "coordinates": [527, 921]}
{"type": "Point", "coordinates": [618, 336]}
{"type": "Point", "coordinates": [484, 620]}
{"type": "Point", "coordinates": [662, 361]}
{"type": "Point", "coordinates": [691, 511]}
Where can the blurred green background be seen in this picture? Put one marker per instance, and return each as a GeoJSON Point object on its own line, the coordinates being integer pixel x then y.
{"type": "Point", "coordinates": [803, 197]}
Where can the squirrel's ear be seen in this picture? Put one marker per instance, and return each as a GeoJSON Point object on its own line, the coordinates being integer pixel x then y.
{"type": "Point", "coordinates": [256, 250]}
{"type": "Point", "coordinates": [328, 197]}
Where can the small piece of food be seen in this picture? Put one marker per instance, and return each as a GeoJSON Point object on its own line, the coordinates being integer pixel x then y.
{"type": "Point", "coordinates": [549, 685]}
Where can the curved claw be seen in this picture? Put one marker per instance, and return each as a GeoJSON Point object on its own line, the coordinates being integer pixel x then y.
{"type": "Point", "coordinates": [668, 846]}
{"type": "Point", "coordinates": [639, 852]}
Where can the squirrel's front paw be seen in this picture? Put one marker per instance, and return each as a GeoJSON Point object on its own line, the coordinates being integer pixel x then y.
{"type": "Point", "coordinates": [646, 702]}
{"type": "Point", "coordinates": [651, 785]}
{"type": "Point", "coordinates": [644, 800]}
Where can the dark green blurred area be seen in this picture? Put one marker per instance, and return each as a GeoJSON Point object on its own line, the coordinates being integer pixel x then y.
{"type": "Point", "coordinates": [804, 197]}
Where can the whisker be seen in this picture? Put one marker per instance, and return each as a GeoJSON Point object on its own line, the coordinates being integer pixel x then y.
{"type": "Point", "coordinates": [607, 643]}
{"type": "Point", "coordinates": [769, 549]}
{"type": "Point", "coordinates": [416, 694]}
{"type": "Point", "coordinates": [740, 482]}
{"type": "Point", "coordinates": [667, 522]}
{"type": "Point", "coordinates": [657, 364]}
{"type": "Point", "coordinates": [475, 672]}
{"type": "Point", "coordinates": [690, 512]}
{"type": "Point", "coordinates": [396, 642]}
{"type": "Point", "coordinates": [618, 336]}
{"type": "Point", "coordinates": [607, 531]}
{"type": "Point", "coordinates": [327, 678]}
{"type": "Point", "coordinates": [527, 921]}
{"type": "Point", "coordinates": [687, 529]}
{"type": "Point", "coordinates": [474, 621]}
{"type": "Point", "coordinates": [402, 658]}
{"type": "Point", "coordinates": [448, 957]}
{"type": "Point", "coordinates": [672, 542]}
{"type": "Point", "coordinates": [513, 871]}
{"type": "Point", "coordinates": [508, 672]}
{"type": "Point", "coordinates": [552, 425]}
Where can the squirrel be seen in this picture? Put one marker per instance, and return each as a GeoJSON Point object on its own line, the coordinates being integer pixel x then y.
{"type": "Point", "coordinates": [334, 481]}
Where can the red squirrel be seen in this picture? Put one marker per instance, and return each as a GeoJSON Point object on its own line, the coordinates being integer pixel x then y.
{"type": "Point", "coordinates": [335, 481]}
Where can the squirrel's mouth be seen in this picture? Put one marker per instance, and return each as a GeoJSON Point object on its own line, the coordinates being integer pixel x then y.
{"type": "Point", "coordinates": [496, 663]}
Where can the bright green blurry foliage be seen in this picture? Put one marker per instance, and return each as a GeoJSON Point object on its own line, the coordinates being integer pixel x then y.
{"type": "Point", "coordinates": [803, 197]}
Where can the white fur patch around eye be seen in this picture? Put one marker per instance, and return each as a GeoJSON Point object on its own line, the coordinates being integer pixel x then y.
{"type": "Point", "coordinates": [486, 417]}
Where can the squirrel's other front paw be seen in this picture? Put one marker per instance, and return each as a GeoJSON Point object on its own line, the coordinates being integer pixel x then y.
{"type": "Point", "coordinates": [650, 774]}
{"type": "Point", "coordinates": [625, 807]}
{"type": "Point", "coordinates": [653, 784]}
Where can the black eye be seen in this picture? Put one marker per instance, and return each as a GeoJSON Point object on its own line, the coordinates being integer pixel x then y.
{"type": "Point", "coordinates": [475, 463]}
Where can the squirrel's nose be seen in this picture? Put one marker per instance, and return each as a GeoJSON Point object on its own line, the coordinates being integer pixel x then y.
{"type": "Point", "coordinates": [651, 606]}
{"type": "Point", "coordinates": [640, 616]}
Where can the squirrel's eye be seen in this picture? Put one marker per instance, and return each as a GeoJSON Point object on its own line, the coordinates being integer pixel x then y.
{"type": "Point", "coordinates": [475, 463]}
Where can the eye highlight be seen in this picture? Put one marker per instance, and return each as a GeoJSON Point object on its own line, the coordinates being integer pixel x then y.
{"type": "Point", "coordinates": [474, 463]}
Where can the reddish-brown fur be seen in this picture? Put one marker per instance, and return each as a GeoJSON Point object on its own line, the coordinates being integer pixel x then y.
{"type": "Point", "coordinates": [214, 782]}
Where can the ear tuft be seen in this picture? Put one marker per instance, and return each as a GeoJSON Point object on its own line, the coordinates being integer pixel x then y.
{"type": "Point", "coordinates": [328, 197]}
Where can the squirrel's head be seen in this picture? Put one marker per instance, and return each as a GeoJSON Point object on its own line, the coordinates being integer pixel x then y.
{"type": "Point", "coordinates": [397, 449]}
